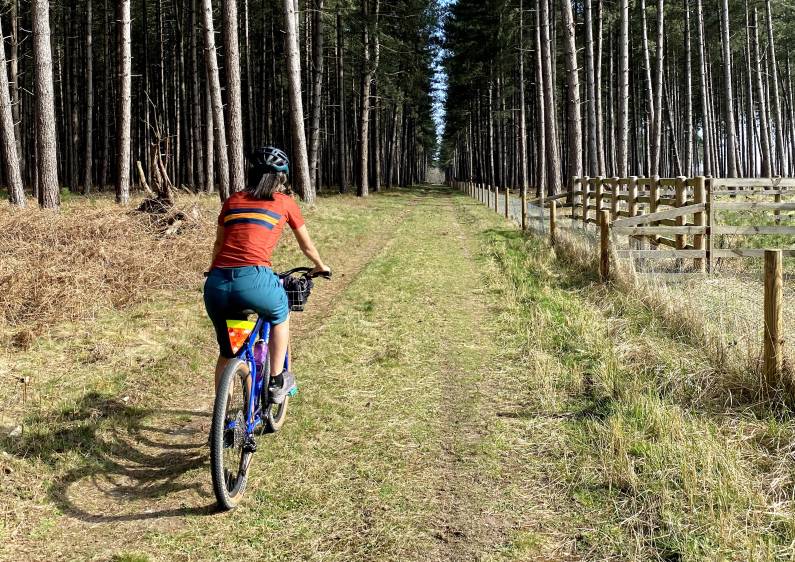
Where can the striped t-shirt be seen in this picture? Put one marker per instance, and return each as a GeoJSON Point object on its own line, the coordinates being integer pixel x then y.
{"type": "Point", "coordinates": [252, 228]}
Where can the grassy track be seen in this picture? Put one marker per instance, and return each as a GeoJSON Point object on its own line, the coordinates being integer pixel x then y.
{"type": "Point", "coordinates": [462, 398]}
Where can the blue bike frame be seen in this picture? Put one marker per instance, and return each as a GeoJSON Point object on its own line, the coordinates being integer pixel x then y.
{"type": "Point", "coordinates": [254, 410]}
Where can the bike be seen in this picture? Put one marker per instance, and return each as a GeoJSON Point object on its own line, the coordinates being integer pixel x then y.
{"type": "Point", "coordinates": [243, 407]}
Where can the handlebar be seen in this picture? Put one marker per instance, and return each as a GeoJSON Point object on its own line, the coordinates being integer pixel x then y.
{"type": "Point", "coordinates": [306, 271]}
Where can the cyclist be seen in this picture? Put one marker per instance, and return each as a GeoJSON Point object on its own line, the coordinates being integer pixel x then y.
{"type": "Point", "coordinates": [241, 278]}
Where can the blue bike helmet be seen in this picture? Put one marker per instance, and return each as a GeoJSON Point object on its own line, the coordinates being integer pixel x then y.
{"type": "Point", "coordinates": [271, 159]}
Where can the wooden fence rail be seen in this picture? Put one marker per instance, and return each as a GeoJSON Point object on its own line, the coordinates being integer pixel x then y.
{"type": "Point", "coordinates": [683, 214]}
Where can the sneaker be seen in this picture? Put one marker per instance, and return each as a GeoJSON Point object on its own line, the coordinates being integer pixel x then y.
{"type": "Point", "coordinates": [281, 386]}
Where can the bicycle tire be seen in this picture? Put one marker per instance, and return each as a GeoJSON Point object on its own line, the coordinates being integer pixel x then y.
{"type": "Point", "coordinates": [275, 420]}
{"type": "Point", "coordinates": [274, 415]}
{"type": "Point", "coordinates": [228, 488]}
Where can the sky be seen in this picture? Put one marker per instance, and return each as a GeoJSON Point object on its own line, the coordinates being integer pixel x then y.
{"type": "Point", "coordinates": [440, 79]}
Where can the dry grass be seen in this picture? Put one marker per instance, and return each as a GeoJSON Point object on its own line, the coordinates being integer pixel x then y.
{"type": "Point", "coordinates": [720, 315]}
{"type": "Point", "coordinates": [69, 265]}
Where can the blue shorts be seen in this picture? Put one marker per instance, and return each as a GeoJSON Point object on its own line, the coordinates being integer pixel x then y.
{"type": "Point", "coordinates": [230, 291]}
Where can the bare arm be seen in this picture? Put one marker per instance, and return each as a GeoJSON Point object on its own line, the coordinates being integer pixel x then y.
{"type": "Point", "coordinates": [219, 242]}
{"type": "Point", "coordinates": [308, 248]}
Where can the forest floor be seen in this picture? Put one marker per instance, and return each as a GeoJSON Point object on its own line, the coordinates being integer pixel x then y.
{"type": "Point", "coordinates": [465, 395]}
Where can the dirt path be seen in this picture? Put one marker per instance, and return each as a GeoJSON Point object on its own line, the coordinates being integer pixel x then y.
{"type": "Point", "coordinates": [403, 444]}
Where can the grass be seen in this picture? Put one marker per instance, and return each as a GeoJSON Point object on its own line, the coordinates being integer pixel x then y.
{"type": "Point", "coordinates": [466, 394]}
{"type": "Point", "coordinates": [657, 471]}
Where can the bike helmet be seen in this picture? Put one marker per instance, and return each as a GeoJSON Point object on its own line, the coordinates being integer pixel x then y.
{"type": "Point", "coordinates": [271, 159]}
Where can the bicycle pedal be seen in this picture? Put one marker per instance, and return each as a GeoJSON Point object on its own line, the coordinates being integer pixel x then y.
{"type": "Point", "coordinates": [250, 446]}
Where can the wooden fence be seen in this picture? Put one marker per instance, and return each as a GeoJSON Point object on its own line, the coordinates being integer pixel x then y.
{"type": "Point", "coordinates": [677, 218]}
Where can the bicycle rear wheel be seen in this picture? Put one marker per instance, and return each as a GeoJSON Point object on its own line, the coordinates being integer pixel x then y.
{"type": "Point", "coordinates": [229, 461]}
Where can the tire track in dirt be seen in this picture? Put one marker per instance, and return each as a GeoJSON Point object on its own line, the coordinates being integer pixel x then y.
{"type": "Point", "coordinates": [480, 467]}
{"type": "Point", "coordinates": [464, 529]}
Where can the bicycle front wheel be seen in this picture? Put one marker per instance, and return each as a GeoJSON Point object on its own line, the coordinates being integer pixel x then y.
{"type": "Point", "coordinates": [229, 460]}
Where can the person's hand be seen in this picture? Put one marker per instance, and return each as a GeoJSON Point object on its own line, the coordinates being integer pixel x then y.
{"type": "Point", "coordinates": [321, 270]}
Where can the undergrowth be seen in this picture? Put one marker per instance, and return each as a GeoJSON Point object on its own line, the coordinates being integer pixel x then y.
{"type": "Point", "coordinates": [93, 255]}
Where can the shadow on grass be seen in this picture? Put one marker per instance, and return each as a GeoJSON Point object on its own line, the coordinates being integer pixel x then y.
{"type": "Point", "coordinates": [117, 462]}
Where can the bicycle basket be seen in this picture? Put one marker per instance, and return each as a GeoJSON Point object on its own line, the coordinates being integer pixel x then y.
{"type": "Point", "coordinates": [298, 290]}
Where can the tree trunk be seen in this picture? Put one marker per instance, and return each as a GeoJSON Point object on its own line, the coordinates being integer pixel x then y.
{"type": "Point", "coordinates": [600, 125]}
{"type": "Point", "coordinates": [574, 157]}
{"type": "Point", "coordinates": [541, 128]}
{"type": "Point", "coordinates": [15, 97]}
{"type": "Point", "coordinates": [214, 84]}
{"type": "Point", "coordinates": [731, 132]}
{"type": "Point", "coordinates": [590, 87]}
{"type": "Point", "coordinates": [300, 159]}
{"type": "Point", "coordinates": [364, 110]}
{"type": "Point", "coordinates": [554, 183]}
{"type": "Point", "coordinates": [46, 150]}
{"type": "Point", "coordinates": [781, 164]}
{"type": "Point", "coordinates": [688, 164]}
{"type": "Point", "coordinates": [622, 154]}
{"type": "Point", "coordinates": [342, 154]}
{"type": "Point", "coordinates": [89, 132]}
{"type": "Point", "coordinates": [750, 120]}
{"type": "Point", "coordinates": [705, 120]}
{"type": "Point", "coordinates": [375, 154]}
{"type": "Point", "coordinates": [123, 116]}
{"type": "Point", "coordinates": [251, 113]}
{"type": "Point", "coordinates": [196, 99]}
{"type": "Point", "coordinates": [522, 121]}
{"type": "Point", "coordinates": [317, 89]}
{"type": "Point", "coordinates": [657, 124]}
{"type": "Point", "coordinates": [649, 84]}
{"type": "Point", "coordinates": [13, 176]}
{"type": "Point", "coordinates": [106, 96]}
{"type": "Point", "coordinates": [209, 161]}
{"type": "Point", "coordinates": [764, 133]}
{"type": "Point", "coordinates": [233, 97]}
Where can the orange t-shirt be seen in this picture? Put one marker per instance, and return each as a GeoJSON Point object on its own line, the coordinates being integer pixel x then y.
{"type": "Point", "coordinates": [252, 228]}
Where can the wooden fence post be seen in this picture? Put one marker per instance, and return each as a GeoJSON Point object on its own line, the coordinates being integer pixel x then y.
{"type": "Point", "coordinates": [710, 214]}
{"type": "Point", "coordinates": [497, 198]}
{"type": "Point", "coordinates": [773, 349]}
{"type": "Point", "coordinates": [585, 182]}
{"type": "Point", "coordinates": [616, 191]}
{"type": "Point", "coordinates": [632, 199]}
{"type": "Point", "coordinates": [777, 199]}
{"type": "Point", "coordinates": [699, 196]}
{"type": "Point", "coordinates": [654, 203]}
{"type": "Point", "coordinates": [604, 246]}
{"type": "Point", "coordinates": [553, 219]}
{"type": "Point", "coordinates": [599, 193]}
{"type": "Point", "coordinates": [632, 205]}
{"type": "Point", "coordinates": [681, 197]}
